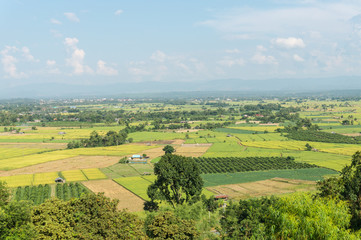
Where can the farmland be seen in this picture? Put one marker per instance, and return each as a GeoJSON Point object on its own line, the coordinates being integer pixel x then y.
{"type": "Point", "coordinates": [232, 145]}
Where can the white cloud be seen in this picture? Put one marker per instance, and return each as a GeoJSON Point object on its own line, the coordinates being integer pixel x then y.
{"type": "Point", "coordinates": [261, 48]}
{"type": "Point", "coordinates": [77, 57]}
{"type": "Point", "coordinates": [71, 17]}
{"type": "Point", "coordinates": [263, 59]}
{"type": "Point", "coordinates": [297, 58]}
{"type": "Point", "coordinates": [235, 50]}
{"type": "Point", "coordinates": [55, 21]}
{"type": "Point", "coordinates": [28, 56]}
{"type": "Point", "coordinates": [289, 43]}
{"type": "Point", "coordinates": [8, 61]}
{"type": "Point", "coordinates": [158, 56]}
{"type": "Point", "coordinates": [56, 33]}
{"type": "Point", "coordinates": [105, 70]}
{"type": "Point", "coordinates": [229, 62]}
{"type": "Point", "coordinates": [118, 12]}
{"type": "Point", "coordinates": [50, 63]}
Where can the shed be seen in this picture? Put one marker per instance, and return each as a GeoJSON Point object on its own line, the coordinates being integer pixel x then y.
{"type": "Point", "coordinates": [222, 196]}
{"type": "Point", "coordinates": [59, 180]}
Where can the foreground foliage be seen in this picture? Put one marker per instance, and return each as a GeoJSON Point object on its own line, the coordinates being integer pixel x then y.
{"type": "Point", "coordinates": [88, 217]}
{"type": "Point", "coordinates": [298, 216]}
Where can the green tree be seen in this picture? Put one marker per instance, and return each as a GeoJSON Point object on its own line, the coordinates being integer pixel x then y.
{"type": "Point", "coordinates": [168, 149]}
{"type": "Point", "coordinates": [347, 187]}
{"type": "Point", "coordinates": [308, 147]}
{"type": "Point", "coordinates": [178, 180]}
{"type": "Point", "coordinates": [14, 217]}
{"type": "Point", "coordinates": [89, 217]}
{"type": "Point", "coordinates": [165, 225]}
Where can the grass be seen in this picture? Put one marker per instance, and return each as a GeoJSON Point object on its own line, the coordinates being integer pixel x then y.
{"type": "Point", "coordinates": [312, 174]}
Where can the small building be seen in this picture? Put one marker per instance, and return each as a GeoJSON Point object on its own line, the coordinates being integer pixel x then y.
{"type": "Point", "coordinates": [61, 133]}
{"type": "Point", "coordinates": [137, 159]}
{"type": "Point", "coordinates": [222, 196]}
{"type": "Point", "coordinates": [59, 180]}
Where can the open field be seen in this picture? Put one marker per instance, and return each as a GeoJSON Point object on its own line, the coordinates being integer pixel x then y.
{"type": "Point", "coordinates": [39, 158]}
{"type": "Point", "coordinates": [137, 185]}
{"type": "Point", "coordinates": [49, 177]}
{"type": "Point", "coordinates": [191, 151]}
{"type": "Point", "coordinates": [311, 174]}
{"type": "Point", "coordinates": [127, 200]}
{"type": "Point", "coordinates": [79, 162]}
{"type": "Point", "coordinates": [274, 186]}
{"type": "Point", "coordinates": [19, 162]}
{"type": "Point", "coordinates": [127, 170]}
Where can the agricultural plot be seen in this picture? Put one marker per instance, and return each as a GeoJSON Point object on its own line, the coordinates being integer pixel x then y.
{"type": "Point", "coordinates": [93, 174]}
{"type": "Point", "coordinates": [233, 164]}
{"type": "Point", "coordinates": [126, 170]}
{"type": "Point", "coordinates": [6, 153]}
{"type": "Point", "coordinates": [45, 178]}
{"type": "Point", "coordinates": [68, 191]}
{"type": "Point", "coordinates": [192, 151]}
{"type": "Point", "coordinates": [121, 150]}
{"type": "Point", "coordinates": [36, 194]}
{"type": "Point", "coordinates": [311, 174]}
{"type": "Point", "coordinates": [18, 180]}
{"type": "Point", "coordinates": [19, 162]}
{"type": "Point", "coordinates": [79, 162]}
{"type": "Point", "coordinates": [127, 199]}
{"type": "Point", "coordinates": [137, 185]}
{"type": "Point", "coordinates": [274, 186]}
{"type": "Point", "coordinates": [73, 175]}
{"type": "Point", "coordinates": [155, 136]}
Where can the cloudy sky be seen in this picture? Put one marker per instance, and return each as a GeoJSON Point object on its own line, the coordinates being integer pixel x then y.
{"type": "Point", "coordinates": [89, 42]}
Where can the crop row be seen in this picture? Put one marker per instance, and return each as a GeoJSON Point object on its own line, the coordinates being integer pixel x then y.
{"type": "Point", "coordinates": [318, 136]}
{"type": "Point", "coordinates": [70, 190]}
{"type": "Point", "coordinates": [36, 194]}
{"type": "Point", "coordinates": [237, 164]}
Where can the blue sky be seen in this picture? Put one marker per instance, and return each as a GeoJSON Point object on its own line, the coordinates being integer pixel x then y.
{"type": "Point", "coordinates": [91, 42]}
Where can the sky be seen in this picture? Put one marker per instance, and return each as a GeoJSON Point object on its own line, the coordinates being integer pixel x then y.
{"type": "Point", "coordinates": [107, 42]}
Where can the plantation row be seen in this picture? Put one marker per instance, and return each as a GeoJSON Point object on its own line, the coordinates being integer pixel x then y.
{"type": "Point", "coordinates": [317, 136]}
{"type": "Point", "coordinates": [236, 164]}
{"type": "Point", "coordinates": [70, 190]}
{"type": "Point", "coordinates": [36, 194]}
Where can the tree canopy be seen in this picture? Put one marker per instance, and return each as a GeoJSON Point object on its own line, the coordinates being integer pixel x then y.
{"type": "Point", "coordinates": [178, 180]}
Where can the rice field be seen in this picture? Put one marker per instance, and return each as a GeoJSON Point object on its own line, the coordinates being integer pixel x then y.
{"type": "Point", "coordinates": [49, 177]}
{"type": "Point", "coordinates": [14, 152]}
{"type": "Point", "coordinates": [45, 178]}
{"type": "Point", "coordinates": [73, 175]}
{"type": "Point", "coordinates": [93, 173]}
{"type": "Point", "coordinates": [19, 162]}
{"type": "Point", "coordinates": [137, 185]}
{"type": "Point", "coordinates": [18, 180]}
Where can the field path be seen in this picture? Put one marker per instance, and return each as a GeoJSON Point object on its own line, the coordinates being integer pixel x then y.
{"type": "Point", "coordinates": [127, 200]}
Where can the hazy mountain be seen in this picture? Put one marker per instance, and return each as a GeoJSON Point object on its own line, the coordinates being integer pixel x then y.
{"type": "Point", "coordinates": [124, 88]}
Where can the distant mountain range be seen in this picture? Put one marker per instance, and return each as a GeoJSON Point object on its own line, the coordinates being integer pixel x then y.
{"type": "Point", "coordinates": [124, 89]}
